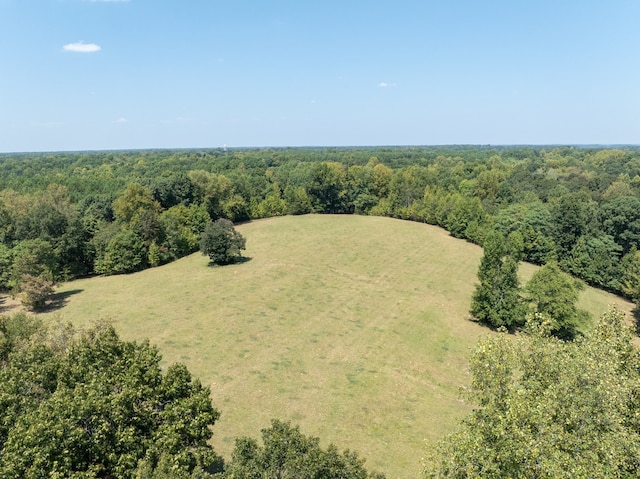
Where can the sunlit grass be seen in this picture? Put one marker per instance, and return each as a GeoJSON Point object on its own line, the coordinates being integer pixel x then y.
{"type": "Point", "coordinates": [354, 327]}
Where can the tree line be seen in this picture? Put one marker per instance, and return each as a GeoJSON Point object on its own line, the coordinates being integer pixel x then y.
{"type": "Point", "coordinates": [66, 215]}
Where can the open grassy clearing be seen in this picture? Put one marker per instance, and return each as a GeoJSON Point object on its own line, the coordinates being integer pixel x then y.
{"type": "Point", "coordinates": [353, 327]}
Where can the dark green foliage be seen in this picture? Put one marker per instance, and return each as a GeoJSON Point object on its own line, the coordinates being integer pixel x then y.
{"type": "Point", "coordinates": [630, 275]}
{"type": "Point", "coordinates": [165, 469]}
{"type": "Point", "coordinates": [326, 188]}
{"type": "Point", "coordinates": [31, 257]}
{"type": "Point", "coordinates": [175, 190]}
{"type": "Point", "coordinates": [573, 216]}
{"type": "Point", "coordinates": [181, 229]}
{"type": "Point", "coordinates": [124, 253]}
{"type": "Point", "coordinates": [488, 184]}
{"type": "Point", "coordinates": [272, 205]}
{"type": "Point", "coordinates": [559, 199]}
{"type": "Point", "coordinates": [621, 219]}
{"type": "Point", "coordinates": [534, 223]}
{"type": "Point", "coordinates": [72, 251]}
{"type": "Point", "coordinates": [221, 242]}
{"type": "Point", "coordinates": [297, 200]}
{"type": "Point", "coordinates": [554, 294]}
{"type": "Point", "coordinates": [363, 203]}
{"type": "Point", "coordinates": [496, 301]}
{"type": "Point", "coordinates": [45, 217]}
{"type": "Point", "coordinates": [14, 330]}
{"type": "Point", "coordinates": [235, 209]}
{"type": "Point", "coordinates": [546, 408]}
{"type": "Point", "coordinates": [96, 210]}
{"type": "Point", "coordinates": [406, 187]}
{"type": "Point", "coordinates": [464, 217]}
{"type": "Point", "coordinates": [6, 263]}
{"type": "Point", "coordinates": [95, 407]}
{"type": "Point", "coordinates": [286, 452]}
{"type": "Point", "coordinates": [134, 202]}
{"type": "Point", "coordinates": [595, 259]}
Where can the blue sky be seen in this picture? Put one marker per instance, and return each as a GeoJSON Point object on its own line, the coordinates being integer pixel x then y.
{"type": "Point", "coordinates": [98, 74]}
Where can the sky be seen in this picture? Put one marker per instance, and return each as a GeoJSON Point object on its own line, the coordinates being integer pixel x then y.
{"type": "Point", "coordinates": [133, 74]}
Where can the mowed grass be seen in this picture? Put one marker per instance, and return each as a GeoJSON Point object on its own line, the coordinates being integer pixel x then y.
{"type": "Point", "coordinates": [356, 328]}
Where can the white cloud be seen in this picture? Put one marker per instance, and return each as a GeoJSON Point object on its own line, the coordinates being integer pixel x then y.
{"type": "Point", "coordinates": [121, 120]}
{"type": "Point", "coordinates": [108, 1]}
{"type": "Point", "coordinates": [383, 84]}
{"type": "Point", "coordinates": [81, 47]}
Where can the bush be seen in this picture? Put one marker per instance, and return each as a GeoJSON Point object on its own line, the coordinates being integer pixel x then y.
{"type": "Point", "coordinates": [35, 291]}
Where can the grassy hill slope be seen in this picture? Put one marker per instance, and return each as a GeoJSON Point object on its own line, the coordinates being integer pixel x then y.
{"type": "Point", "coordinates": [354, 327]}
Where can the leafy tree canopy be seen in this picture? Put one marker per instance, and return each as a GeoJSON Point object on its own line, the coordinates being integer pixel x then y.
{"type": "Point", "coordinates": [496, 300]}
{"type": "Point", "coordinates": [554, 294]}
{"type": "Point", "coordinates": [576, 205]}
{"type": "Point", "coordinates": [286, 452]}
{"type": "Point", "coordinates": [95, 406]}
{"type": "Point", "coordinates": [547, 408]}
{"type": "Point", "coordinates": [221, 242]}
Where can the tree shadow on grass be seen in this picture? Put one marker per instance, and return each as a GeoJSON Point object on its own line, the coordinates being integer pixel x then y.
{"type": "Point", "coordinates": [240, 260]}
{"type": "Point", "coordinates": [59, 300]}
{"type": "Point", "coordinates": [8, 304]}
{"type": "Point", "coordinates": [636, 317]}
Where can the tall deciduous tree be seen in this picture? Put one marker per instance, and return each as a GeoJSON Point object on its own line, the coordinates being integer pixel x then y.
{"type": "Point", "coordinates": [595, 259]}
{"type": "Point", "coordinates": [548, 408]}
{"type": "Point", "coordinates": [134, 202]}
{"type": "Point", "coordinates": [297, 200]}
{"type": "Point", "coordinates": [573, 216]}
{"type": "Point", "coordinates": [621, 219]}
{"type": "Point", "coordinates": [124, 253]}
{"type": "Point", "coordinates": [496, 300]}
{"type": "Point", "coordinates": [94, 407]}
{"type": "Point", "coordinates": [533, 221]}
{"type": "Point", "coordinates": [554, 294]}
{"type": "Point", "coordinates": [630, 275]}
{"type": "Point", "coordinates": [327, 188]}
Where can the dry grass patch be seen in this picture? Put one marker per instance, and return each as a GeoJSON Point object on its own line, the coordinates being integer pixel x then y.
{"type": "Point", "coordinates": [353, 327]}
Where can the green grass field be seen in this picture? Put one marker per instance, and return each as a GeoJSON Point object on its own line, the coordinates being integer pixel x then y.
{"type": "Point", "coordinates": [356, 328]}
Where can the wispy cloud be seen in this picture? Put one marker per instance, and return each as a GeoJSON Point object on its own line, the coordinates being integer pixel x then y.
{"type": "Point", "coordinates": [81, 47]}
{"type": "Point", "coordinates": [384, 84]}
{"type": "Point", "coordinates": [108, 1]}
{"type": "Point", "coordinates": [121, 120]}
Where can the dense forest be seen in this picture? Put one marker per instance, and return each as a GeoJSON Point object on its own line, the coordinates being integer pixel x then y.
{"type": "Point", "coordinates": [67, 215]}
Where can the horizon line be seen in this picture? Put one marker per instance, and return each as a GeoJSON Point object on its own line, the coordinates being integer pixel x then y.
{"type": "Point", "coordinates": [337, 147]}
